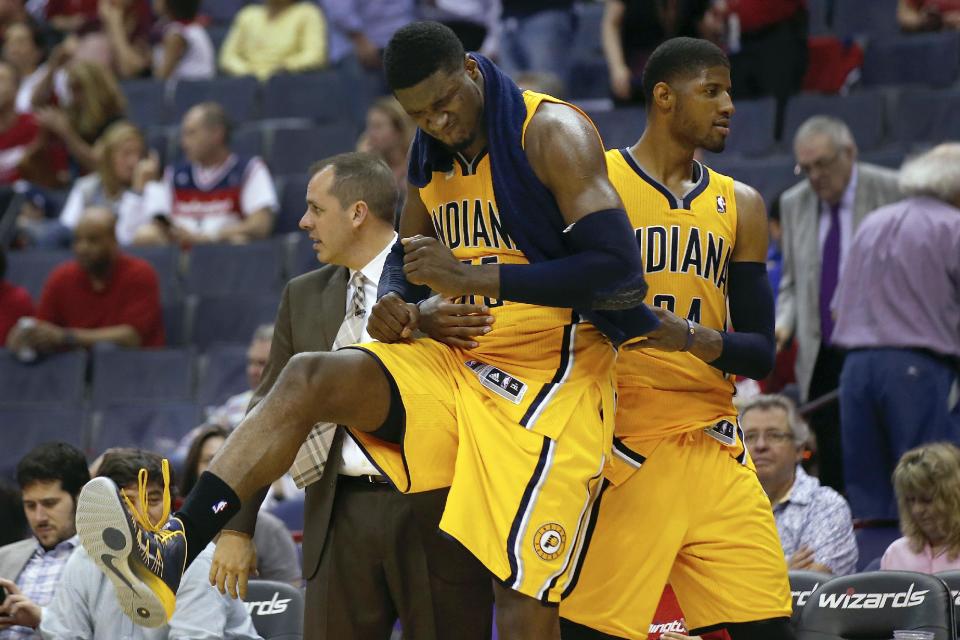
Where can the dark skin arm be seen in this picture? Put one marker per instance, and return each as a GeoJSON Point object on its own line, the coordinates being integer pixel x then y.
{"type": "Point", "coordinates": [751, 246]}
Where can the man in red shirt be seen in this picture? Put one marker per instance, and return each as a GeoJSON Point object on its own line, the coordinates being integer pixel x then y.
{"type": "Point", "coordinates": [102, 296]}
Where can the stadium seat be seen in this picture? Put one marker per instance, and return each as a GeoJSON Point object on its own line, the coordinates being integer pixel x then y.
{"type": "Point", "coordinates": [302, 258]}
{"type": "Point", "coordinates": [248, 141]}
{"type": "Point", "coordinates": [929, 59]}
{"type": "Point", "coordinates": [589, 78]}
{"type": "Point", "coordinates": [157, 426]}
{"type": "Point", "coordinates": [319, 97]}
{"type": "Point", "coordinates": [863, 113]}
{"type": "Point", "coordinates": [820, 16]}
{"type": "Point", "coordinates": [292, 203]}
{"type": "Point", "coordinates": [229, 318]}
{"type": "Point", "coordinates": [927, 115]}
{"type": "Point", "coordinates": [276, 609]}
{"type": "Point", "coordinates": [223, 373]}
{"type": "Point", "coordinates": [619, 127]}
{"type": "Point", "coordinates": [952, 578]}
{"type": "Point", "coordinates": [238, 96]}
{"type": "Point", "coordinates": [58, 378]}
{"type": "Point", "coordinates": [29, 269]}
{"type": "Point", "coordinates": [158, 140]}
{"type": "Point", "coordinates": [229, 268]}
{"type": "Point", "coordinates": [173, 322]}
{"type": "Point", "coordinates": [802, 586]}
{"type": "Point", "coordinates": [587, 41]}
{"type": "Point", "coordinates": [771, 176]}
{"type": "Point", "coordinates": [752, 127]}
{"type": "Point", "coordinates": [35, 424]}
{"type": "Point", "coordinates": [218, 33]}
{"type": "Point", "coordinates": [164, 261]}
{"type": "Point", "coordinates": [294, 149]}
{"type": "Point", "coordinates": [221, 11]}
{"type": "Point", "coordinates": [872, 541]}
{"type": "Point", "coordinates": [873, 605]}
{"type": "Point", "coordinates": [872, 19]}
{"type": "Point", "coordinates": [290, 511]}
{"type": "Point", "coordinates": [890, 157]}
{"type": "Point", "coordinates": [146, 101]}
{"type": "Point", "coordinates": [121, 375]}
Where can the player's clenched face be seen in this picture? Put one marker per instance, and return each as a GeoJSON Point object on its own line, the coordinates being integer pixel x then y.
{"type": "Point", "coordinates": [330, 225]}
{"type": "Point", "coordinates": [447, 105]}
{"type": "Point", "coordinates": [704, 108]}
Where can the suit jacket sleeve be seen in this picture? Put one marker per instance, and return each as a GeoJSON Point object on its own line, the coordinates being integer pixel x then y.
{"type": "Point", "coordinates": [786, 298]}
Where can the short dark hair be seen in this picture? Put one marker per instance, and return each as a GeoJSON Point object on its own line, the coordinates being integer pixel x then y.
{"type": "Point", "coordinates": [362, 176]}
{"type": "Point", "coordinates": [190, 474]}
{"type": "Point", "coordinates": [678, 57]}
{"type": "Point", "coordinates": [185, 10]}
{"type": "Point", "coordinates": [54, 461]}
{"type": "Point", "coordinates": [122, 465]}
{"type": "Point", "coordinates": [418, 50]}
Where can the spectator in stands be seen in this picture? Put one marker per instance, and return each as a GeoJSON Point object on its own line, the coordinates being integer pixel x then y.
{"type": "Point", "coordinates": [85, 604]}
{"type": "Point", "coordinates": [360, 29]}
{"type": "Point", "coordinates": [11, 11]}
{"type": "Point", "coordinates": [276, 555]}
{"type": "Point", "coordinates": [118, 182]}
{"type": "Point", "coordinates": [474, 21]}
{"type": "Point", "coordinates": [25, 152]}
{"type": "Point", "coordinates": [535, 35]}
{"type": "Point", "coordinates": [632, 29]}
{"type": "Point", "coordinates": [94, 102]}
{"type": "Point", "coordinates": [230, 413]}
{"type": "Point", "coordinates": [23, 47]}
{"type": "Point", "coordinates": [818, 217]}
{"type": "Point", "coordinates": [50, 478]}
{"type": "Point", "coordinates": [14, 527]}
{"type": "Point", "coordinates": [928, 15]}
{"type": "Point", "coordinates": [927, 483]}
{"type": "Point", "coordinates": [101, 296]}
{"type": "Point", "coordinates": [767, 40]}
{"type": "Point", "coordinates": [899, 383]}
{"type": "Point", "coordinates": [15, 302]}
{"type": "Point", "coordinates": [388, 135]}
{"type": "Point", "coordinates": [814, 523]}
{"type": "Point", "coordinates": [125, 30]}
{"type": "Point", "coordinates": [279, 36]}
{"type": "Point", "coordinates": [185, 50]}
{"type": "Point", "coordinates": [214, 195]}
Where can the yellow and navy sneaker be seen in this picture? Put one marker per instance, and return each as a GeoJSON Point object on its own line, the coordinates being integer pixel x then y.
{"type": "Point", "coordinates": [143, 560]}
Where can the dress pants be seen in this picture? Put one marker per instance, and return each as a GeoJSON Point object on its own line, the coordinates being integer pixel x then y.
{"type": "Point", "coordinates": [825, 421]}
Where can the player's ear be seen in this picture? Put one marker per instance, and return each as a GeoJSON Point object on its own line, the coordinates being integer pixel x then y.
{"type": "Point", "coordinates": [663, 96]}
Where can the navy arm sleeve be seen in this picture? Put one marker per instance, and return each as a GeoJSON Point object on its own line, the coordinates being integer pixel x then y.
{"type": "Point", "coordinates": [394, 280]}
{"type": "Point", "coordinates": [750, 350]}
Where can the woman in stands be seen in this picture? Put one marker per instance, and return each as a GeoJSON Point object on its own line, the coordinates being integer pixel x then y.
{"type": "Point", "coordinates": [388, 134]}
{"type": "Point", "coordinates": [276, 554]}
{"type": "Point", "coordinates": [184, 50]}
{"type": "Point", "coordinates": [927, 484]}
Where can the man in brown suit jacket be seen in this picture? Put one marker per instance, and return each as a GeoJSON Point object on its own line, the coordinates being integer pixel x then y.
{"type": "Point", "coordinates": [370, 554]}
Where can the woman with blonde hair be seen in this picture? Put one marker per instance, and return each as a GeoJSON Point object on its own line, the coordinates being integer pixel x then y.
{"type": "Point", "coordinates": [388, 134]}
{"type": "Point", "coordinates": [927, 484]}
{"type": "Point", "coordinates": [117, 183]}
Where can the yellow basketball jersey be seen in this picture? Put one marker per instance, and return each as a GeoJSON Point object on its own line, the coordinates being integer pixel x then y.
{"type": "Point", "coordinates": [686, 244]}
{"type": "Point", "coordinates": [526, 339]}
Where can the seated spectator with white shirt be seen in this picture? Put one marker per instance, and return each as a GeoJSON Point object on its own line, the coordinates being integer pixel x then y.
{"type": "Point", "coordinates": [23, 47]}
{"type": "Point", "coordinates": [814, 523]}
{"type": "Point", "coordinates": [86, 605]}
{"type": "Point", "coordinates": [50, 478]}
{"type": "Point", "coordinates": [185, 50]}
{"type": "Point", "coordinates": [214, 195]}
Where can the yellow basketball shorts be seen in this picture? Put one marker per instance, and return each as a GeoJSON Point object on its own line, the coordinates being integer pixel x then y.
{"type": "Point", "coordinates": [523, 458]}
{"type": "Point", "coordinates": [694, 515]}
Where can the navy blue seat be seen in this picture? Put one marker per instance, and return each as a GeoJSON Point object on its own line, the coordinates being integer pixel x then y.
{"type": "Point", "coordinates": [57, 378]}
{"type": "Point", "coordinates": [223, 373]}
{"type": "Point", "coordinates": [931, 59]}
{"type": "Point", "coordinates": [24, 426]}
{"type": "Point", "coordinates": [292, 203]}
{"type": "Point", "coordinates": [927, 115]}
{"type": "Point", "coordinates": [164, 261]}
{"type": "Point", "coordinates": [238, 96]}
{"type": "Point", "coordinates": [228, 268]}
{"type": "Point", "coordinates": [863, 113]}
{"type": "Point", "coordinates": [270, 620]}
{"type": "Point", "coordinates": [121, 375]}
{"type": "Point", "coordinates": [157, 425]}
{"type": "Point", "coordinates": [146, 101]}
{"type": "Point", "coordinates": [752, 127]}
{"type": "Point", "coordinates": [218, 33]}
{"type": "Point", "coordinates": [819, 12]}
{"type": "Point", "coordinates": [320, 97]}
{"type": "Point", "coordinates": [872, 541]}
{"type": "Point", "coordinates": [802, 586]}
{"type": "Point", "coordinates": [221, 11]}
{"type": "Point", "coordinates": [302, 258]}
{"type": "Point", "coordinates": [295, 149]}
{"type": "Point", "coordinates": [620, 127]}
{"type": "Point", "coordinates": [248, 141]}
{"type": "Point", "coordinates": [874, 19]}
{"type": "Point", "coordinates": [589, 78]}
{"type": "Point", "coordinates": [890, 157]}
{"type": "Point", "coordinates": [770, 176]}
{"type": "Point", "coordinates": [290, 511]}
{"type": "Point", "coordinates": [158, 140]}
{"type": "Point", "coordinates": [230, 318]}
{"type": "Point", "coordinates": [29, 269]}
{"type": "Point", "coordinates": [173, 322]}
{"type": "Point", "coordinates": [586, 41]}
{"type": "Point", "coordinates": [952, 579]}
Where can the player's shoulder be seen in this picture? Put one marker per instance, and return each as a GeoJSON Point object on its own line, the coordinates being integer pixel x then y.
{"type": "Point", "coordinates": [555, 121]}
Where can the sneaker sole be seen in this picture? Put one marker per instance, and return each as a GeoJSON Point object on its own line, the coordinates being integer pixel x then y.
{"type": "Point", "coordinates": [105, 534]}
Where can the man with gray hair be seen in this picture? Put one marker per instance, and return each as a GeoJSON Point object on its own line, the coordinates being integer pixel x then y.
{"type": "Point", "coordinates": [814, 523]}
{"type": "Point", "coordinates": [819, 217]}
{"type": "Point", "coordinates": [898, 311]}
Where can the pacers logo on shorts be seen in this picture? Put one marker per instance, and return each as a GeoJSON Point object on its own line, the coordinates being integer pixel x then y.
{"type": "Point", "coordinates": [548, 541]}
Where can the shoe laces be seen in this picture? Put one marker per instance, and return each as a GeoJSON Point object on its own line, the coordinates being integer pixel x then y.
{"type": "Point", "coordinates": [141, 515]}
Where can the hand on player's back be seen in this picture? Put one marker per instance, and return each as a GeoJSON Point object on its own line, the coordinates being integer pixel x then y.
{"type": "Point", "coordinates": [429, 262]}
{"type": "Point", "coordinates": [454, 324]}
{"type": "Point", "coordinates": [392, 319]}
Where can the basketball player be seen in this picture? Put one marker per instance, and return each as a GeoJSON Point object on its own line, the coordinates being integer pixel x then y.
{"type": "Point", "coordinates": [520, 427]}
{"type": "Point", "coordinates": [682, 503]}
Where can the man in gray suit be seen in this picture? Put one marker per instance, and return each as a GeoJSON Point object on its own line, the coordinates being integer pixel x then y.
{"type": "Point", "coordinates": [370, 554]}
{"type": "Point", "coordinates": [819, 217]}
{"type": "Point", "coordinates": [50, 477]}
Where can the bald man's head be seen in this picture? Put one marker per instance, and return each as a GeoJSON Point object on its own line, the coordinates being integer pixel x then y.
{"type": "Point", "coordinates": [95, 240]}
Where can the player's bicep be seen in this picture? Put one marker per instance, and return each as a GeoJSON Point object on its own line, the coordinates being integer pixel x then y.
{"type": "Point", "coordinates": [752, 231]}
{"type": "Point", "coordinates": [414, 218]}
{"type": "Point", "coordinates": [567, 155]}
